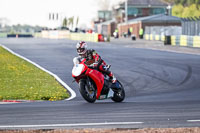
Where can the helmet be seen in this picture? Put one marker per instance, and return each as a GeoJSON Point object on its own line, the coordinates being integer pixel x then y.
{"type": "Point", "coordinates": [81, 48]}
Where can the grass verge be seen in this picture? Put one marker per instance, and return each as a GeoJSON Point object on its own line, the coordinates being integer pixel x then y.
{"type": "Point", "coordinates": [20, 80]}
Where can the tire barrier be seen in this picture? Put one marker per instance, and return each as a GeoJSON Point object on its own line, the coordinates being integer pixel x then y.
{"type": "Point", "coordinates": [189, 41]}
{"type": "Point", "coordinates": [183, 40]}
{"type": "Point", "coordinates": [152, 37]}
{"type": "Point", "coordinates": [90, 37]}
{"type": "Point", "coordinates": [196, 41]}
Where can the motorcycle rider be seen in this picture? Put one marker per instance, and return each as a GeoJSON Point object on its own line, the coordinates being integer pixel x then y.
{"type": "Point", "coordinates": [93, 59]}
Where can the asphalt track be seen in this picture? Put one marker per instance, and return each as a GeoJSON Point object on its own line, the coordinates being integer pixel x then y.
{"type": "Point", "coordinates": [162, 89]}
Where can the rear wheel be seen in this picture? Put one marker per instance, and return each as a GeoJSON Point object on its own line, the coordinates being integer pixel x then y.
{"type": "Point", "coordinates": [87, 90]}
{"type": "Point", "coordinates": [119, 93]}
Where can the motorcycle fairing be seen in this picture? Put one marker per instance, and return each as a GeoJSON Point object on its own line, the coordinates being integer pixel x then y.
{"type": "Point", "coordinates": [77, 70]}
{"type": "Point", "coordinates": [98, 79]}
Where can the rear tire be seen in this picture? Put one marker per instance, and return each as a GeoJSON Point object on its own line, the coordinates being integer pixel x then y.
{"type": "Point", "coordinates": [119, 93]}
{"type": "Point", "coordinates": [89, 94]}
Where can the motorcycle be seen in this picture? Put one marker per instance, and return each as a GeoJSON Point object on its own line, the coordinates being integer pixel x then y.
{"type": "Point", "coordinates": [94, 85]}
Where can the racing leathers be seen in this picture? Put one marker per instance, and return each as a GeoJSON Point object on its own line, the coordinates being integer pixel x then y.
{"type": "Point", "coordinates": [93, 59]}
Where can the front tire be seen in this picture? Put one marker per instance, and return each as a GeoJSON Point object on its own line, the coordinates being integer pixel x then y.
{"type": "Point", "coordinates": [88, 93]}
{"type": "Point", "coordinates": [119, 93]}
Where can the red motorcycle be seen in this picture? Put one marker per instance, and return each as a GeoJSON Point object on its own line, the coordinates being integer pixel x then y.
{"type": "Point", "coordinates": [94, 85]}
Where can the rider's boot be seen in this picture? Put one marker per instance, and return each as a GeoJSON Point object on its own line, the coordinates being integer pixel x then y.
{"type": "Point", "coordinates": [109, 73]}
{"type": "Point", "coordinates": [112, 77]}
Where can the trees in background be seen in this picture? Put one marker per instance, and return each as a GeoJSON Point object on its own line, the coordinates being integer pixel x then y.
{"type": "Point", "coordinates": [185, 8]}
{"type": "Point", "coordinates": [65, 22]}
{"type": "Point", "coordinates": [187, 2]}
{"type": "Point", "coordinates": [69, 23]}
{"type": "Point", "coordinates": [21, 29]}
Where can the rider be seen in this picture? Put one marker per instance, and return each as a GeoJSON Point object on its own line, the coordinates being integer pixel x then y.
{"type": "Point", "coordinates": [92, 59]}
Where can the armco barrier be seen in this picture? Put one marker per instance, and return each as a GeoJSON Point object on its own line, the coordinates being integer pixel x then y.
{"type": "Point", "coordinates": [63, 34]}
{"type": "Point", "coordinates": [73, 36]}
{"type": "Point", "coordinates": [183, 40]}
{"type": "Point", "coordinates": [84, 37]}
{"type": "Point", "coordinates": [45, 34]}
{"type": "Point", "coordinates": [55, 34]}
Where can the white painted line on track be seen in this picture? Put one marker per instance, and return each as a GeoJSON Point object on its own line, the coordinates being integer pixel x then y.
{"type": "Point", "coordinates": [193, 120]}
{"type": "Point", "coordinates": [6, 103]}
{"type": "Point", "coordinates": [71, 125]}
{"type": "Point", "coordinates": [73, 94]}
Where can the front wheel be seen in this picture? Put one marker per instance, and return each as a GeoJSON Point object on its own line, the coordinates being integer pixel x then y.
{"type": "Point", "coordinates": [119, 93]}
{"type": "Point", "coordinates": [87, 91]}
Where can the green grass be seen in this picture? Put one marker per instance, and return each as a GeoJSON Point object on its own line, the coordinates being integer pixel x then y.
{"type": "Point", "coordinates": [22, 80]}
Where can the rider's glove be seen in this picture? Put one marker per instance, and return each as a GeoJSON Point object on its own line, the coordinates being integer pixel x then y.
{"type": "Point", "coordinates": [94, 65]}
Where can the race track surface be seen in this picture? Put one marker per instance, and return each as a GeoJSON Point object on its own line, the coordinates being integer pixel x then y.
{"type": "Point", "coordinates": [162, 88]}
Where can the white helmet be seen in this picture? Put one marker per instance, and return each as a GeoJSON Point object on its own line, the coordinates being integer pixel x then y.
{"type": "Point", "coordinates": [81, 48]}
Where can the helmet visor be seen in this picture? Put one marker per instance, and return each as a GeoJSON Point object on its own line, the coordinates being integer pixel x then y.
{"type": "Point", "coordinates": [80, 50]}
